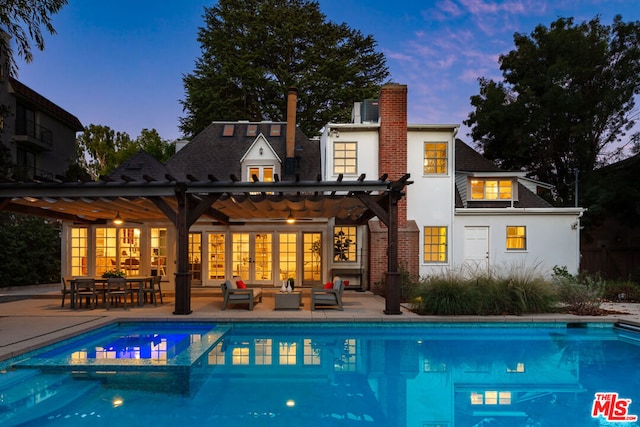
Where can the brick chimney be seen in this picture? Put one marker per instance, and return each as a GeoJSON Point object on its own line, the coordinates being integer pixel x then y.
{"type": "Point", "coordinates": [392, 144]}
{"type": "Point", "coordinates": [290, 161]}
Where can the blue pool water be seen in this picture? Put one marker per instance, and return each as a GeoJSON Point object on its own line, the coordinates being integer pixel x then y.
{"type": "Point", "coordinates": [302, 374]}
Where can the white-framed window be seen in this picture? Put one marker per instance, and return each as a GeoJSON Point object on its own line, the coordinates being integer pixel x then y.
{"type": "Point", "coordinates": [516, 237]}
{"type": "Point", "coordinates": [435, 158]}
{"type": "Point", "coordinates": [491, 189]}
{"type": "Point", "coordinates": [435, 244]}
{"type": "Point", "coordinates": [345, 158]}
{"type": "Point", "coordinates": [263, 173]}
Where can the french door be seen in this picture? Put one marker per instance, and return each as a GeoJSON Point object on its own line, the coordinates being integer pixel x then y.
{"type": "Point", "coordinates": [252, 257]}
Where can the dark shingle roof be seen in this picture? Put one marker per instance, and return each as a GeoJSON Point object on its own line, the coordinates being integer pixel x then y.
{"type": "Point", "coordinates": [30, 95]}
{"type": "Point", "coordinates": [139, 165]}
{"type": "Point", "coordinates": [211, 153]}
{"type": "Point", "coordinates": [469, 160]}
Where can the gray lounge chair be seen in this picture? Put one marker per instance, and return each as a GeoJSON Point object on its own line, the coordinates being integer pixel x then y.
{"type": "Point", "coordinates": [233, 295]}
{"type": "Point", "coordinates": [328, 297]}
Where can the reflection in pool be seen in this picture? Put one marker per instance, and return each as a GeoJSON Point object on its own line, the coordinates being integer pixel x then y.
{"type": "Point", "coordinates": [281, 374]}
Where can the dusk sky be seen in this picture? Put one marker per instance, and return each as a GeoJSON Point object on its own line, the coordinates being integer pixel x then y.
{"type": "Point", "coordinates": [120, 63]}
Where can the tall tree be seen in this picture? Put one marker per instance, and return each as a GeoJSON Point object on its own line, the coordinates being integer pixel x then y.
{"type": "Point", "coordinates": [254, 50]}
{"type": "Point", "coordinates": [566, 97]}
{"type": "Point", "coordinates": [151, 142]}
{"type": "Point", "coordinates": [23, 21]}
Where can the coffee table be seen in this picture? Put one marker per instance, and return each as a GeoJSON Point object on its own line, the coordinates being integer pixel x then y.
{"type": "Point", "coordinates": [288, 301]}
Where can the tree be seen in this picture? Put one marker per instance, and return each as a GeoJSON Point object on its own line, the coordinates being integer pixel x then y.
{"type": "Point", "coordinates": [567, 97]}
{"type": "Point", "coordinates": [23, 21]}
{"type": "Point", "coordinates": [101, 149]}
{"type": "Point", "coordinates": [254, 50]}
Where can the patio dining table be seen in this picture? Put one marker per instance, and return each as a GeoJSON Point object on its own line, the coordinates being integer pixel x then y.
{"type": "Point", "coordinates": [134, 283]}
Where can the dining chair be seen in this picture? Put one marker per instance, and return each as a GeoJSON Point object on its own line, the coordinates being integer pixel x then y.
{"type": "Point", "coordinates": [66, 289]}
{"type": "Point", "coordinates": [85, 288]}
{"type": "Point", "coordinates": [116, 289]}
{"type": "Point", "coordinates": [153, 289]}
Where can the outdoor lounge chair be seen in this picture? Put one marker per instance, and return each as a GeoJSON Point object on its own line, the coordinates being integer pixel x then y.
{"type": "Point", "coordinates": [328, 297]}
{"type": "Point", "coordinates": [233, 295]}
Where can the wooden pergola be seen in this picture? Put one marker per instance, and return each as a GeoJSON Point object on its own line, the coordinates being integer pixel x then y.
{"type": "Point", "coordinates": [225, 202]}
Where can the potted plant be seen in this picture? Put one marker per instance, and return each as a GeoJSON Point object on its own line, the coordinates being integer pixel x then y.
{"type": "Point", "coordinates": [113, 273]}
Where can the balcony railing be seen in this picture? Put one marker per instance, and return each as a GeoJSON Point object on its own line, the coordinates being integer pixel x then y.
{"type": "Point", "coordinates": [33, 130]}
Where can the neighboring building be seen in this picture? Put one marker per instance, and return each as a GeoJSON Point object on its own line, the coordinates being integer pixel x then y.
{"type": "Point", "coordinates": [40, 135]}
{"type": "Point", "coordinates": [460, 211]}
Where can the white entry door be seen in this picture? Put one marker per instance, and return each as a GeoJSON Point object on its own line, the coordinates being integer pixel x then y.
{"type": "Point", "coordinates": [476, 248]}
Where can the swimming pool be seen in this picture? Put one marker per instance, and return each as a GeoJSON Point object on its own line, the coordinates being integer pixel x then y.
{"type": "Point", "coordinates": [311, 374]}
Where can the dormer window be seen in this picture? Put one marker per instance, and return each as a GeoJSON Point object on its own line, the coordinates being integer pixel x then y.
{"type": "Point", "coordinates": [275, 130]}
{"type": "Point", "coordinates": [227, 130]}
{"type": "Point", "coordinates": [491, 189]}
{"type": "Point", "coordinates": [252, 130]}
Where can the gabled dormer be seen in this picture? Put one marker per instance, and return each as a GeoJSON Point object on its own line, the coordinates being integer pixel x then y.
{"type": "Point", "coordinates": [260, 160]}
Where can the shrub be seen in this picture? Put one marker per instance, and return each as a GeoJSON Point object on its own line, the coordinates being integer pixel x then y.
{"type": "Point", "coordinates": [622, 290]}
{"type": "Point", "coordinates": [582, 293]}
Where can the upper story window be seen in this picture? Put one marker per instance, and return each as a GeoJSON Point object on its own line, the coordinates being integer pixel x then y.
{"type": "Point", "coordinates": [435, 158]}
{"type": "Point", "coordinates": [491, 189]}
{"type": "Point", "coordinates": [345, 158]}
{"type": "Point", "coordinates": [227, 130]}
{"type": "Point", "coordinates": [275, 130]}
{"type": "Point", "coordinates": [263, 173]}
{"type": "Point", "coordinates": [252, 130]}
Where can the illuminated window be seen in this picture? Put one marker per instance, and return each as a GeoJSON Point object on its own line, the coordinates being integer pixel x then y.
{"type": "Point", "coordinates": [252, 130]}
{"type": "Point", "coordinates": [129, 248]}
{"type": "Point", "coordinates": [491, 189]}
{"type": "Point", "coordinates": [106, 250]}
{"type": "Point", "coordinates": [216, 256]}
{"type": "Point", "coordinates": [159, 251]}
{"type": "Point", "coordinates": [312, 261]}
{"type": "Point", "coordinates": [288, 258]}
{"type": "Point", "coordinates": [345, 158]}
{"type": "Point", "coordinates": [263, 173]}
{"type": "Point", "coordinates": [227, 130]}
{"type": "Point", "coordinates": [344, 244]}
{"type": "Point", "coordinates": [79, 252]}
{"type": "Point", "coordinates": [435, 158]}
{"type": "Point", "coordinates": [216, 356]}
{"type": "Point", "coordinates": [195, 256]}
{"type": "Point", "coordinates": [435, 244]}
{"type": "Point", "coordinates": [516, 237]}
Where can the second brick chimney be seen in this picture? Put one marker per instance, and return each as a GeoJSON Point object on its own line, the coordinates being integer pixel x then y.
{"type": "Point", "coordinates": [290, 161]}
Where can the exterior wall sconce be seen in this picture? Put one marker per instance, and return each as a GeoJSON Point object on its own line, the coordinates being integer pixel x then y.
{"type": "Point", "coordinates": [290, 218]}
{"type": "Point", "coordinates": [261, 150]}
{"type": "Point", "coordinates": [118, 219]}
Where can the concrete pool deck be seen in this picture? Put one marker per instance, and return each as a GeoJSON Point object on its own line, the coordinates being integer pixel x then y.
{"type": "Point", "coordinates": [31, 317]}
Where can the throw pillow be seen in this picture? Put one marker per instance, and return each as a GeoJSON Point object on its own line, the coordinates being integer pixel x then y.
{"type": "Point", "coordinates": [328, 285]}
{"type": "Point", "coordinates": [241, 284]}
{"type": "Point", "coordinates": [230, 284]}
{"type": "Point", "coordinates": [337, 281]}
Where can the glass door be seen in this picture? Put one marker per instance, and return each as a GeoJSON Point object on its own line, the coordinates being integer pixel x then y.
{"type": "Point", "coordinates": [252, 257]}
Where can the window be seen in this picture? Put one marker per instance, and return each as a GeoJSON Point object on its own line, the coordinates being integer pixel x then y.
{"type": "Point", "coordinates": [227, 130]}
{"type": "Point", "coordinates": [491, 397]}
{"type": "Point", "coordinates": [345, 158]}
{"type": "Point", "coordinates": [435, 244]}
{"type": "Point", "coordinates": [195, 256]}
{"type": "Point", "coordinates": [159, 251]}
{"type": "Point", "coordinates": [516, 237]}
{"type": "Point", "coordinates": [79, 251]}
{"type": "Point", "coordinates": [252, 130]}
{"type": "Point", "coordinates": [312, 257]}
{"type": "Point", "coordinates": [491, 189]}
{"type": "Point", "coordinates": [216, 256]}
{"type": "Point", "coordinates": [344, 244]}
{"type": "Point", "coordinates": [106, 250]}
{"type": "Point", "coordinates": [275, 130]}
{"type": "Point", "coordinates": [435, 158]}
{"type": "Point", "coordinates": [130, 251]}
{"type": "Point", "coordinates": [263, 173]}
{"type": "Point", "coordinates": [288, 257]}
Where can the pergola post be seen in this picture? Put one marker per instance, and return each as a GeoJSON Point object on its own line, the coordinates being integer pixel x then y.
{"type": "Point", "coordinates": [183, 277]}
{"type": "Point", "coordinates": [393, 277]}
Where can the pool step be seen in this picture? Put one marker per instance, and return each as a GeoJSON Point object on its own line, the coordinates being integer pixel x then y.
{"type": "Point", "coordinates": [25, 397]}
